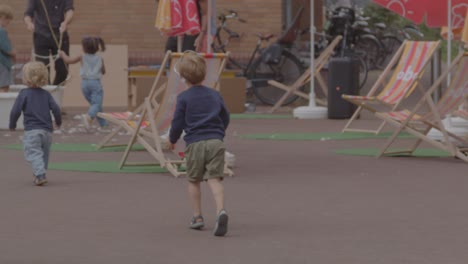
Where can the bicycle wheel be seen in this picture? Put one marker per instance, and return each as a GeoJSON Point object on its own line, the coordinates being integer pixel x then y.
{"type": "Point", "coordinates": [370, 47]}
{"type": "Point", "coordinates": [413, 33]}
{"type": "Point", "coordinates": [391, 45]}
{"type": "Point", "coordinates": [363, 71]}
{"type": "Point", "coordinates": [287, 71]}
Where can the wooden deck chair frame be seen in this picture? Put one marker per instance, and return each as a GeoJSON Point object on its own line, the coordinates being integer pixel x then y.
{"type": "Point", "coordinates": [463, 113]}
{"type": "Point", "coordinates": [387, 89]}
{"type": "Point", "coordinates": [151, 140]}
{"type": "Point", "coordinates": [123, 120]}
{"type": "Point", "coordinates": [305, 78]}
{"type": "Point", "coordinates": [420, 125]}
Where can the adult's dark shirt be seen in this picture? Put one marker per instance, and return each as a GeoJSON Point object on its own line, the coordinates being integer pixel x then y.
{"type": "Point", "coordinates": [56, 10]}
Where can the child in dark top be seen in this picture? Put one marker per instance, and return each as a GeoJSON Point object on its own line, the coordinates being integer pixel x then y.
{"type": "Point", "coordinates": [36, 103]}
{"type": "Point", "coordinates": [201, 113]}
{"type": "Point", "coordinates": [7, 54]}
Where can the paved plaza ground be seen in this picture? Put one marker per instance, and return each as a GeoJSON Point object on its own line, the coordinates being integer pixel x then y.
{"type": "Point", "coordinates": [289, 202]}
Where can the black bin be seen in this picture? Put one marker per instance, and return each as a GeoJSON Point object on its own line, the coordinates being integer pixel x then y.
{"type": "Point", "coordinates": [343, 78]}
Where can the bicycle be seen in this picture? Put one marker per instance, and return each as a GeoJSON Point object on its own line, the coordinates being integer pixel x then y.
{"type": "Point", "coordinates": [274, 62]}
{"type": "Point", "coordinates": [367, 42]}
{"type": "Point", "coordinates": [390, 43]}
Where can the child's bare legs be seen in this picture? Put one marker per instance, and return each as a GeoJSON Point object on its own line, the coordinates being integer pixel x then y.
{"type": "Point", "coordinates": [218, 193]}
{"type": "Point", "coordinates": [4, 89]}
{"type": "Point", "coordinates": [195, 197]}
{"type": "Point", "coordinates": [221, 226]}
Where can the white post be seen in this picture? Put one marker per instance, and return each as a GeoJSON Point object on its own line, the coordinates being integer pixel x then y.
{"type": "Point", "coordinates": [180, 40]}
{"type": "Point", "coordinates": [312, 111]}
{"type": "Point", "coordinates": [208, 29]}
{"type": "Point", "coordinates": [288, 11]}
{"type": "Point", "coordinates": [449, 38]}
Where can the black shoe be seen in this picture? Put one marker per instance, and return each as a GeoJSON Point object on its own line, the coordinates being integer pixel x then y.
{"type": "Point", "coordinates": [197, 222]}
{"type": "Point", "coordinates": [221, 226]}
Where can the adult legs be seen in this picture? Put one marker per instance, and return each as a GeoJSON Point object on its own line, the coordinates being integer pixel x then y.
{"type": "Point", "coordinates": [61, 69]}
{"type": "Point", "coordinates": [189, 42]}
{"type": "Point", "coordinates": [171, 44]}
{"type": "Point", "coordinates": [5, 78]}
{"type": "Point", "coordinates": [43, 46]}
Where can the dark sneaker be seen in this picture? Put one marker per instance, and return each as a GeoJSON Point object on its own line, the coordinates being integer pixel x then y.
{"type": "Point", "coordinates": [197, 222]}
{"type": "Point", "coordinates": [40, 180]}
{"type": "Point", "coordinates": [221, 226]}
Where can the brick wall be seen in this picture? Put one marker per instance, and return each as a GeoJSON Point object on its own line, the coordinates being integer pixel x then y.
{"type": "Point", "coordinates": [131, 22]}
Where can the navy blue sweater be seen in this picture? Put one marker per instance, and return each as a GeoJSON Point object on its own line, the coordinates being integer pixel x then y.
{"type": "Point", "coordinates": [36, 104]}
{"type": "Point", "coordinates": [201, 113]}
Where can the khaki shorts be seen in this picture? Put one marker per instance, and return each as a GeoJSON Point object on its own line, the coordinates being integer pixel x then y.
{"type": "Point", "coordinates": [205, 160]}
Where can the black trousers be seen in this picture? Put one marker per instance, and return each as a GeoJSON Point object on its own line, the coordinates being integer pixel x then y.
{"type": "Point", "coordinates": [43, 46]}
{"type": "Point", "coordinates": [187, 43]}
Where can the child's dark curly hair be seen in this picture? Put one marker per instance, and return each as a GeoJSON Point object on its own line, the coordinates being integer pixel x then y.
{"type": "Point", "coordinates": [91, 45]}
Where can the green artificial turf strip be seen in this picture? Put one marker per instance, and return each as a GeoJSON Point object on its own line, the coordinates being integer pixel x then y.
{"type": "Point", "coordinates": [104, 166]}
{"type": "Point", "coordinates": [67, 147]}
{"type": "Point", "coordinates": [322, 136]}
{"type": "Point", "coordinates": [260, 116]}
{"type": "Point", "coordinates": [373, 151]}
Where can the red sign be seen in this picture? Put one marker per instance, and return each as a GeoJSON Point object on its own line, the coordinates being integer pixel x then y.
{"type": "Point", "coordinates": [434, 12]}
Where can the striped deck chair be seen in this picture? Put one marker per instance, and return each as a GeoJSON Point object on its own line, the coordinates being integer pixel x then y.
{"type": "Point", "coordinates": [463, 113]}
{"type": "Point", "coordinates": [159, 115]}
{"type": "Point", "coordinates": [419, 122]}
{"type": "Point", "coordinates": [319, 63]}
{"type": "Point", "coordinates": [126, 121]}
{"type": "Point", "coordinates": [413, 58]}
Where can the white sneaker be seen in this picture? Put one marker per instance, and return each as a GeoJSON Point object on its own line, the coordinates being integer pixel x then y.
{"type": "Point", "coordinates": [86, 121]}
{"type": "Point", "coordinates": [104, 129]}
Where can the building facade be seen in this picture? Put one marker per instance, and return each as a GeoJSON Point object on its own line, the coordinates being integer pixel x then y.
{"type": "Point", "coordinates": [131, 22]}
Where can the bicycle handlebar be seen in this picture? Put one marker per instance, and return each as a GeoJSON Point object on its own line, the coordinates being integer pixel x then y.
{"type": "Point", "coordinates": [232, 15]}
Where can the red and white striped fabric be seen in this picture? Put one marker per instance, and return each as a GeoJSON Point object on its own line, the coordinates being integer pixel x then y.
{"type": "Point", "coordinates": [452, 98]}
{"type": "Point", "coordinates": [411, 65]}
{"type": "Point", "coordinates": [412, 62]}
{"type": "Point", "coordinates": [463, 113]}
{"type": "Point", "coordinates": [120, 115]}
{"type": "Point", "coordinates": [125, 116]}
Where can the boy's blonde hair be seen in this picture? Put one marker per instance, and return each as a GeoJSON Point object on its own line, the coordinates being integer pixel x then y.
{"type": "Point", "coordinates": [6, 11]}
{"type": "Point", "coordinates": [192, 67]}
{"type": "Point", "coordinates": [35, 74]}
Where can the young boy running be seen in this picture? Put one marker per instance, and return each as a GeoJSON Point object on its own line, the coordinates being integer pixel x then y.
{"type": "Point", "coordinates": [36, 104]}
{"type": "Point", "coordinates": [201, 113]}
